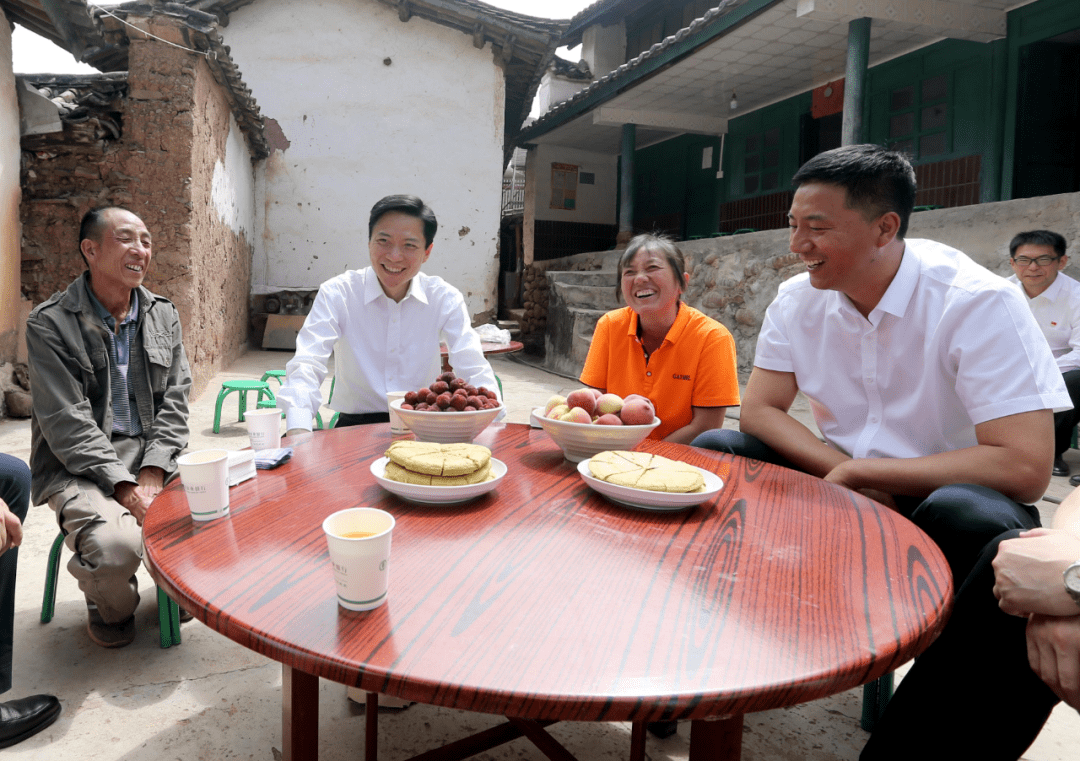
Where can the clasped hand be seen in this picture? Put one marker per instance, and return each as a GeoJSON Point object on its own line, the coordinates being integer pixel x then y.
{"type": "Point", "coordinates": [136, 498]}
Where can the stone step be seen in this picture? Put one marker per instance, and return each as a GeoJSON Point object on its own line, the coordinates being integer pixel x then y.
{"type": "Point", "coordinates": [596, 293]}
{"type": "Point", "coordinates": [568, 337]}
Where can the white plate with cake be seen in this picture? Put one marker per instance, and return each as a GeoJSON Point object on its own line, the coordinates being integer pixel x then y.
{"type": "Point", "coordinates": [437, 495]}
{"type": "Point", "coordinates": [652, 473]}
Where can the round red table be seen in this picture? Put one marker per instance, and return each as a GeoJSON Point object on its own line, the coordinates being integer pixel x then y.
{"type": "Point", "coordinates": [542, 601]}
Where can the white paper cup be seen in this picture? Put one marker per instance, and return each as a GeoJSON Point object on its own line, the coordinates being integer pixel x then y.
{"type": "Point", "coordinates": [397, 425]}
{"type": "Point", "coordinates": [264, 428]}
{"type": "Point", "coordinates": [205, 476]}
{"type": "Point", "coordinates": [361, 563]}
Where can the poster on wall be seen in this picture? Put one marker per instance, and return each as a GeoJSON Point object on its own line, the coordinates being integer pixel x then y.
{"type": "Point", "coordinates": [564, 181]}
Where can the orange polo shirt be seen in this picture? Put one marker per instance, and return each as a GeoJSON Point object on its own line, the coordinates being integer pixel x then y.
{"type": "Point", "coordinates": [693, 367]}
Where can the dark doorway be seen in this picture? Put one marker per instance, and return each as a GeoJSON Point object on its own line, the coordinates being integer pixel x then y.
{"type": "Point", "coordinates": [1047, 156]}
{"type": "Point", "coordinates": [817, 135]}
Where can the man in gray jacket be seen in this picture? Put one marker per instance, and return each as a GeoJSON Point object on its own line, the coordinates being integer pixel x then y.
{"type": "Point", "coordinates": [110, 385]}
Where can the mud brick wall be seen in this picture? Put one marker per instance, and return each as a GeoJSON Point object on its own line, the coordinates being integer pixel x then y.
{"type": "Point", "coordinates": [175, 122]}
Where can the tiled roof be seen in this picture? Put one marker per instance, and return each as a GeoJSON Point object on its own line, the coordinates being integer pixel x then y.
{"type": "Point", "coordinates": [570, 69]}
{"type": "Point", "coordinates": [85, 98]}
{"type": "Point", "coordinates": [66, 23]}
{"type": "Point", "coordinates": [203, 37]}
{"type": "Point", "coordinates": [629, 71]}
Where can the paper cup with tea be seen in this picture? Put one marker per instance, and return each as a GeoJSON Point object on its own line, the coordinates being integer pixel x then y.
{"type": "Point", "coordinates": [205, 476]}
{"type": "Point", "coordinates": [264, 428]}
{"type": "Point", "coordinates": [397, 425]}
{"type": "Point", "coordinates": [359, 543]}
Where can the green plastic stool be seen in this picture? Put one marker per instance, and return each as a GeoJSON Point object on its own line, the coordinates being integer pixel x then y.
{"type": "Point", "coordinates": [267, 404]}
{"type": "Point", "coordinates": [243, 386]}
{"type": "Point", "coordinates": [168, 611]}
{"type": "Point", "coordinates": [275, 374]}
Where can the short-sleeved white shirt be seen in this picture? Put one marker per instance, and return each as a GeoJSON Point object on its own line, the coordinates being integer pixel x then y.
{"type": "Point", "coordinates": [379, 344]}
{"type": "Point", "coordinates": [1057, 311]}
{"type": "Point", "coordinates": [949, 345]}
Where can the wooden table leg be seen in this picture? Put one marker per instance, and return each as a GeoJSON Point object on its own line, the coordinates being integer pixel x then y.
{"type": "Point", "coordinates": [637, 741]}
{"type": "Point", "coordinates": [717, 739]}
{"type": "Point", "coordinates": [299, 715]}
{"type": "Point", "coordinates": [371, 727]}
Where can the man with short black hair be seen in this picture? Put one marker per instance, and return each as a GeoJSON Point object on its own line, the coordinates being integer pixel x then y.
{"type": "Point", "coordinates": [1038, 258]}
{"type": "Point", "coordinates": [933, 389]}
{"type": "Point", "coordinates": [110, 392]}
{"type": "Point", "coordinates": [383, 324]}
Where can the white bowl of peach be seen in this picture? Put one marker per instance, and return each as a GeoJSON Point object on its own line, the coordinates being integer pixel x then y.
{"type": "Point", "coordinates": [584, 426]}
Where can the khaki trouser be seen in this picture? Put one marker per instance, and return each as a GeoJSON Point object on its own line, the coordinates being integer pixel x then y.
{"type": "Point", "coordinates": [105, 538]}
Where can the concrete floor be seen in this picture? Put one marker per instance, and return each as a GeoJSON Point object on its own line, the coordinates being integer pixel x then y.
{"type": "Point", "coordinates": [212, 699]}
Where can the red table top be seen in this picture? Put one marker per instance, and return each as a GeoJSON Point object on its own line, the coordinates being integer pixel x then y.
{"type": "Point", "coordinates": [544, 600]}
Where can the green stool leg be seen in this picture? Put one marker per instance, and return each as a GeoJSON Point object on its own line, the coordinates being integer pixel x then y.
{"type": "Point", "coordinates": [243, 404]}
{"type": "Point", "coordinates": [168, 619]}
{"type": "Point", "coordinates": [499, 381]}
{"type": "Point", "coordinates": [318, 421]}
{"type": "Point", "coordinates": [217, 409]}
{"type": "Point", "coordinates": [876, 696]}
{"type": "Point", "coordinates": [333, 420]}
{"type": "Point", "coordinates": [48, 600]}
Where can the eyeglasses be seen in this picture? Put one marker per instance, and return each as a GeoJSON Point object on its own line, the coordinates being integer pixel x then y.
{"type": "Point", "coordinates": [1042, 261]}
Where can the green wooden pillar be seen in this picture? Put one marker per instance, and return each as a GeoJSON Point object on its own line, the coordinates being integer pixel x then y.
{"type": "Point", "coordinates": [858, 56]}
{"type": "Point", "coordinates": [626, 181]}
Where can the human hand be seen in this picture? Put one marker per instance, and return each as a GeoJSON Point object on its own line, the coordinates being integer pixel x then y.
{"type": "Point", "coordinates": [10, 528]}
{"type": "Point", "coordinates": [1028, 569]}
{"type": "Point", "coordinates": [1053, 644]}
{"type": "Point", "coordinates": [133, 499]}
{"type": "Point", "coordinates": [151, 482]}
{"type": "Point", "coordinates": [846, 474]}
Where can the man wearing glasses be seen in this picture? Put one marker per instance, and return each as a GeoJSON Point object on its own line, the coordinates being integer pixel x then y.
{"type": "Point", "coordinates": [1038, 258]}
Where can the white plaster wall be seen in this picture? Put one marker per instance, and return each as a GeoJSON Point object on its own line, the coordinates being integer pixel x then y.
{"type": "Point", "coordinates": [554, 90]}
{"type": "Point", "coordinates": [429, 123]}
{"type": "Point", "coordinates": [595, 203]}
{"type": "Point", "coordinates": [232, 189]}
{"type": "Point", "coordinates": [9, 202]}
{"type": "Point", "coordinates": [604, 48]}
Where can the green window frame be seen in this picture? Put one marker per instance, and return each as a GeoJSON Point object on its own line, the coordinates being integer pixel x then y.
{"type": "Point", "coordinates": [920, 117]}
{"type": "Point", "coordinates": [762, 160]}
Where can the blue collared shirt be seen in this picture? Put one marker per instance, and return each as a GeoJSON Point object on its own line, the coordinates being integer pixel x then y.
{"type": "Point", "coordinates": [125, 408]}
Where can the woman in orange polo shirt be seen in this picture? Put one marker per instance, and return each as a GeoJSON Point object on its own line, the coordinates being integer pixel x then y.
{"type": "Point", "coordinates": [660, 348]}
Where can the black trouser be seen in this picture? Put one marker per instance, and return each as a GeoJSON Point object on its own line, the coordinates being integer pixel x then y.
{"type": "Point", "coordinates": [15, 491]}
{"type": "Point", "coordinates": [972, 694]}
{"type": "Point", "coordinates": [361, 418]}
{"type": "Point", "coordinates": [1065, 422]}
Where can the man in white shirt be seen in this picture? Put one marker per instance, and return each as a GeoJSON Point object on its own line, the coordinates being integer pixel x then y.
{"type": "Point", "coordinates": [383, 324]}
{"type": "Point", "coordinates": [927, 377]}
{"type": "Point", "coordinates": [1038, 258]}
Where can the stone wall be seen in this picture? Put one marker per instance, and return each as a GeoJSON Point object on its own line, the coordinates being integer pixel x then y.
{"type": "Point", "coordinates": [734, 279]}
{"type": "Point", "coordinates": [176, 123]}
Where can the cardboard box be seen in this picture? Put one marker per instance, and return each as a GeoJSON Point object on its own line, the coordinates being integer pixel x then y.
{"type": "Point", "coordinates": [281, 330]}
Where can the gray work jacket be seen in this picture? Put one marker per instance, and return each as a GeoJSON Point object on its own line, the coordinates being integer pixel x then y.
{"type": "Point", "coordinates": [71, 424]}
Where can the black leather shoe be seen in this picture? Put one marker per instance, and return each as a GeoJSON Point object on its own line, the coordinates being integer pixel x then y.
{"type": "Point", "coordinates": [23, 718]}
{"type": "Point", "coordinates": [1061, 468]}
{"type": "Point", "coordinates": [1075, 480]}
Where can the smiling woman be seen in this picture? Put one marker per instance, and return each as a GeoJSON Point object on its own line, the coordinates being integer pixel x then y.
{"type": "Point", "coordinates": [660, 348]}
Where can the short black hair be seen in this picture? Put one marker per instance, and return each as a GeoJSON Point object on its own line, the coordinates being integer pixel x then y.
{"type": "Point", "coordinates": [661, 244]}
{"type": "Point", "coordinates": [876, 180]}
{"type": "Point", "coordinates": [405, 204]}
{"type": "Point", "coordinates": [1038, 238]}
{"type": "Point", "coordinates": [93, 225]}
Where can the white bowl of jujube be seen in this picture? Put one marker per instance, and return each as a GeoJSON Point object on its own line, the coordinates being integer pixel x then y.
{"type": "Point", "coordinates": [449, 411]}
